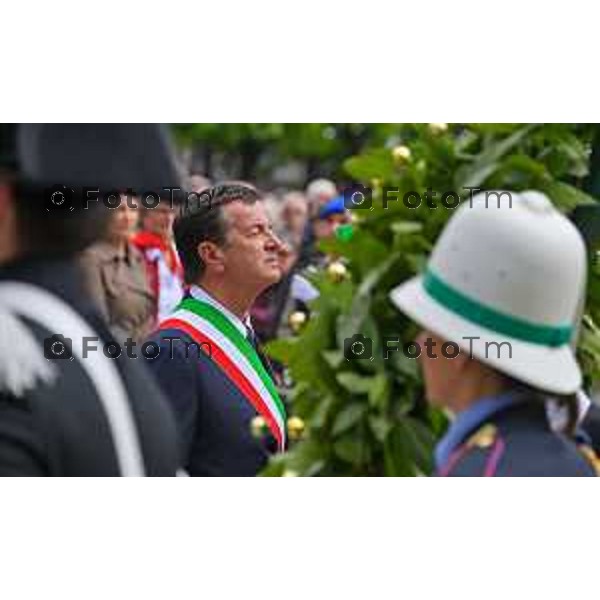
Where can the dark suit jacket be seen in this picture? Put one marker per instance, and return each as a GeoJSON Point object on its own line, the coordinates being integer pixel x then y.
{"type": "Point", "coordinates": [213, 416]}
{"type": "Point", "coordinates": [529, 448]}
{"type": "Point", "coordinates": [591, 427]}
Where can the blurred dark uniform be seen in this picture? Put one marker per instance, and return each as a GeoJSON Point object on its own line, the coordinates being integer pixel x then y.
{"type": "Point", "coordinates": [59, 427]}
{"type": "Point", "coordinates": [510, 436]}
{"type": "Point", "coordinates": [53, 414]}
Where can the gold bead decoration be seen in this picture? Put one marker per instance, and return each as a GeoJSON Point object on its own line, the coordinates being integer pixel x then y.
{"type": "Point", "coordinates": [484, 437]}
{"type": "Point", "coordinates": [438, 127]}
{"type": "Point", "coordinates": [401, 154]}
{"type": "Point", "coordinates": [295, 428]}
{"type": "Point", "coordinates": [258, 426]}
{"type": "Point", "coordinates": [337, 271]}
{"type": "Point", "coordinates": [297, 320]}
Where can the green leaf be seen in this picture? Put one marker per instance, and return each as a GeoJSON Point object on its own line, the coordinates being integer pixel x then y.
{"type": "Point", "coordinates": [322, 408]}
{"type": "Point", "coordinates": [419, 443]}
{"type": "Point", "coordinates": [347, 418]}
{"type": "Point", "coordinates": [374, 164]}
{"type": "Point", "coordinates": [380, 426]}
{"type": "Point", "coordinates": [565, 196]}
{"type": "Point", "coordinates": [379, 391]}
{"type": "Point", "coordinates": [275, 467]}
{"type": "Point", "coordinates": [281, 350]}
{"type": "Point", "coordinates": [350, 449]}
{"type": "Point", "coordinates": [406, 227]}
{"type": "Point", "coordinates": [307, 456]}
{"type": "Point", "coordinates": [397, 460]}
{"type": "Point", "coordinates": [486, 163]}
{"type": "Point", "coordinates": [334, 358]}
{"type": "Point", "coordinates": [404, 365]}
{"type": "Point", "coordinates": [357, 384]}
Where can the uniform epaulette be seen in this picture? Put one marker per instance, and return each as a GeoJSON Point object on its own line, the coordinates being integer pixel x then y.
{"type": "Point", "coordinates": [22, 363]}
{"type": "Point", "coordinates": [487, 439]}
{"type": "Point", "coordinates": [484, 437]}
{"type": "Point", "coordinates": [591, 457]}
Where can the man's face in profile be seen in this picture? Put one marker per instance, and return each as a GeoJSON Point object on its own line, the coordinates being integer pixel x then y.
{"type": "Point", "coordinates": [252, 251]}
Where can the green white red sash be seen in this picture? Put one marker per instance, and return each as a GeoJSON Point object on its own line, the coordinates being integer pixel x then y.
{"type": "Point", "coordinates": [235, 356]}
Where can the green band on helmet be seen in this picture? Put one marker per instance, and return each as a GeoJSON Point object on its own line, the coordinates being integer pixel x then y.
{"type": "Point", "coordinates": [475, 312]}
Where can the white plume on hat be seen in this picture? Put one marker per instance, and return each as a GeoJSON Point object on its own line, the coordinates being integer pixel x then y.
{"type": "Point", "coordinates": [506, 271]}
{"type": "Point", "coordinates": [22, 362]}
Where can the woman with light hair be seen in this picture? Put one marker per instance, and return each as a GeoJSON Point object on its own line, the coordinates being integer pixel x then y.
{"type": "Point", "coordinates": [319, 192]}
{"type": "Point", "coordinates": [294, 216]}
{"type": "Point", "coordinates": [498, 304]}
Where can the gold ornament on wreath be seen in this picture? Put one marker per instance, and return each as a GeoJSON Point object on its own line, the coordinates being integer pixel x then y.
{"type": "Point", "coordinates": [297, 320]}
{"type": "Point", "coordinates": [337, 271]}
{"type": "Point", "coordinates": [295, 428]}
{"type": "Point", "coordinates": [258, 427]}
{"type": "Point", "coordinates": [437, 128]}
{"type": "Point", "coordinates": [401, 154]}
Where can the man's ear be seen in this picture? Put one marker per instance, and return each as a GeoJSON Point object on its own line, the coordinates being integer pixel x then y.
{"type": "Point", "coordinates": [212, 256]}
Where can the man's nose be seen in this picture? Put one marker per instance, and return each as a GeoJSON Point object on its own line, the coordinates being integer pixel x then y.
{"type": "Point", "coordinates": [274, 242]}
{"type": "Point", "coordinates": [284, 250]}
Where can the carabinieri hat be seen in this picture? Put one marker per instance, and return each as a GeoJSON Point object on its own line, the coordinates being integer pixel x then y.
{"type": "Point", "coordinates": [100, 155]}
{"type": "Point", "coordinates": [505, 271]}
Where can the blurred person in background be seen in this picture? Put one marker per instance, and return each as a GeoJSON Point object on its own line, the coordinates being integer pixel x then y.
{"type": "Point", "coordinates": [330, 217]}
{"type": "Point", "coordinates": [116, 278]}
{"type": "Point", "coordinates": [88, 416]}
{"type": "Point", "coordinates": [294, 292]}
{"type": "Point", "coordinates": [155, 242]}
{"type": "Point", "coordinates": [272, 203]}
{"type": "Point", "coordinates": [318, 193]}
{"type": "Point", "coordinates": [198, 182]}
{"type": "Point", "coordinates": [268, 308]}
{"type": "Point", "coordinates": [294, 217]}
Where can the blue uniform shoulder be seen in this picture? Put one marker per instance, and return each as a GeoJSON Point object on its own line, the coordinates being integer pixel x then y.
{"type": "Point", "coordinates": [506, 450]}
{"type": "Point", "coordinates": [478, 456]}
{"type": "Point", "coordinates": [519, 443]}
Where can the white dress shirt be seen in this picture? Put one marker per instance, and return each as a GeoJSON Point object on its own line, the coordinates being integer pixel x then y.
{"type": "Point", "coordinates": [201, 294]}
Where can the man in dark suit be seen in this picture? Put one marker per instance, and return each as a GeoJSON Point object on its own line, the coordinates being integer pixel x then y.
{"type": "Point", "coordinates": [89, 416]}
{"type": "Point", "coordinates": [207, 360]}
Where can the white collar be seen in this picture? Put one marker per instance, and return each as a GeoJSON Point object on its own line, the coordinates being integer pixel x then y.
{"type": "Point", "coordinates": [201, 294]}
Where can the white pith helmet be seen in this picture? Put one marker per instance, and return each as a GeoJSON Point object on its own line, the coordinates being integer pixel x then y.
{"type": "Point", "coordinates": [506, 271]}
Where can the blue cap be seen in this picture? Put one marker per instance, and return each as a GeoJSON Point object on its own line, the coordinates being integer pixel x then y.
{"type": "Point", "coordinates": [333, 207]}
